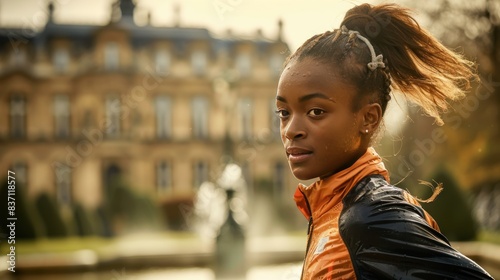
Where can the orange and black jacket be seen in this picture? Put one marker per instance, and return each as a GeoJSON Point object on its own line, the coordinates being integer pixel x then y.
{"type": "Point", "coordinates": [373, 230]}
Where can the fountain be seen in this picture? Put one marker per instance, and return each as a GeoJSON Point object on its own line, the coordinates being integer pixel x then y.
{"type": "Point", "coordinates": [221, 215]}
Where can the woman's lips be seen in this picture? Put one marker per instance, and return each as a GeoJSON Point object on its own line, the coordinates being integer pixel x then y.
{"type": "Point", "coordinates": [297, 154]}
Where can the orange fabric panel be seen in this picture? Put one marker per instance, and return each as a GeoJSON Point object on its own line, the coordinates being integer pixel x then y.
{"type": "Point", "coordinates": [327, 257]}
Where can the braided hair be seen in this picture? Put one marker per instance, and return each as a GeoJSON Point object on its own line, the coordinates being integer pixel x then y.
{"type": "Point", "coordinates": [416, 63]}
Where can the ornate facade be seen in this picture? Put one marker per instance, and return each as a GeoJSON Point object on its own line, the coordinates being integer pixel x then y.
{"type": "Point", "coordinates": [80, 104]}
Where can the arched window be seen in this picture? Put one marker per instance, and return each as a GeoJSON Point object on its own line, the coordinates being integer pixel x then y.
{"type": "Point", "coordinates": [200, 173]}
{"type": "Point", "coordinates": [163, 107]}
{"type": "Point", "coordinates": [163, 176]}
{"type": "Point", "coordinates": [111, 56]}
{"type": "Point", "coordinates": [61, 116]}
{"type": "Point", "coordinates": [200, 117]}
{"type": "Point", "coordinates": [17, 116]}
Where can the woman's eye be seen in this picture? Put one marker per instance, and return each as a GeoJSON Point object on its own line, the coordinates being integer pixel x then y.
{"type": "Point", "coordinates": [315, 112]}
{"type": "Point", "coordinates": [282, 113]}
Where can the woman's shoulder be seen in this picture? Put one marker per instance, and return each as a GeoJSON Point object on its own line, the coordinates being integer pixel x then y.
{"type": "Point", "coordinates": [386, 233]}
{"type": "Point", "coordinates": [374, 201]}
{"type": "Point", "coordinates": [373, 187]}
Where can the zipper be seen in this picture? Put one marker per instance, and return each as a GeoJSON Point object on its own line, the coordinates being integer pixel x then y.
{"type": "Point", "coordinates": [310, 229]}
{"type": "Point", "coordinates": [309, 236]}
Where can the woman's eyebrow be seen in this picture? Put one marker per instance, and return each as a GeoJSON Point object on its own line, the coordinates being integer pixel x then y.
{"type": "Point", "coordinates": [281, 98]}
{"type": "Point", "coordinates": [314, 95]}
{"type": "Point", "coordinates": [306, 97]}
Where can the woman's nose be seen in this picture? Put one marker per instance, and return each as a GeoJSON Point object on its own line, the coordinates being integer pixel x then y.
{"type": "Point", "coordinates": [294, 129]}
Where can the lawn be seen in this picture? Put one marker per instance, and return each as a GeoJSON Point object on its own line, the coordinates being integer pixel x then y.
{"type": "Point", "coordinates": [98, 244]}
{"type": "Point", "coordinates": [490, 237]}
{"type": "Point", "coordinates": [94, 243]}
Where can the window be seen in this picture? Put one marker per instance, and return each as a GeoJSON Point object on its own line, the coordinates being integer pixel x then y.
{"type": "Point", "coordinates": [163, 177]}
{"type": "Point", "coordinates": [111, 56]}
{"type": "Point", "coordinates": [200, 173]}
{"type": "Point", "coordinates": [276, 63]}
{"type": "Point", "coordinates": [61, 116]}
{"type": "Point", "coordinates": [21, 173]}
{"type": "Point", "coordinates": [88, 119]}
{"type": "Point", "coordinates": [63, 184]}
{"type": "Point", "coordinates": [17, 116]}
{"type": "Point", "coordinates": [244, 64]}
{"type": "Point", "coordinates": [17, 57]}
{"type": "Point", "coordinates": [245, 109]}
{"type": "Point", "coordinates": [162, 62]}
{"type": "Point", "coordinates": [199, 62]}
{"type": "Point", "coordinates": [200, 117]}
{"type": "Point", "coordinates": [113, 173]}
{"type": "Point", "coordinates": [274, 120]}
{"type": "Point", "coordinates": [278, 179]}
{"type": "Point", "coordinates": [61, 60]}
{"type": "Point", "coordinates": [247, 175]}
{"type": "Point", "coordinates": [112, 116]}
{"type": "Point", "coordinates": [163, 108]}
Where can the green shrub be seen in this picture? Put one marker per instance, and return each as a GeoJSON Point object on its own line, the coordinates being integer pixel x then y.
{"type": "Point", "coordinates": [128, 211]}
{"type": "Point", "coordinates": [150, 216]}
{"type": "Point", "coordinates": [26, 228]}
{"type": "Point", "coordinates": [103, 220]}
{"type": "Point", "coordinates": [86, 221]}
{"type": "Point", "coordinates": [51, 217]}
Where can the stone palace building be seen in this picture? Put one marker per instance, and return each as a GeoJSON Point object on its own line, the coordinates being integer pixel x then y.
{"type": "Point", "coordinates": [161, 107]}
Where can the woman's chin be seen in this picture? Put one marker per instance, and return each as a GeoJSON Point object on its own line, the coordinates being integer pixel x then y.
{"type": "Point", "coordinates": [301, 174]}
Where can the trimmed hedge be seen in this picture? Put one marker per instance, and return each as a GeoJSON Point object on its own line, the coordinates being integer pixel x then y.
{"type": "Point", "coordinates": [51, 216]}
{"type": "Point", "coordinates": [26, 228]}
{"type": "Point", "coordinates": [127, 211]}
{"type": "Point", "coordinates": [86, 221]}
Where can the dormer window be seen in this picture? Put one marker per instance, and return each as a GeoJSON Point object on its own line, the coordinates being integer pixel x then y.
{"type": "Point", "coordinates": [276, 63]}
{"type": "Point", "coordinates": [18, 57]}
{"type": "Point", "coordinates": [244, 64]}
{"type": "Point", "coordinates": [199, 62]}
{"type": "Point", "coordinates": [111, 56]}
{"type": "Point", "coordinates": [60, 60]}
{"type": "Point", "coordinates": [162, 62]}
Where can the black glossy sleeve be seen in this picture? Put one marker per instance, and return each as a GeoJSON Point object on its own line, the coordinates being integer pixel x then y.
{"type": "Point", "coordinates": [389, 238]}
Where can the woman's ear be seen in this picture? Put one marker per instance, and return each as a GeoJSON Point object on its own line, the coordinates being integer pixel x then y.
{"type": "Point", "coordinates": [371, 118]}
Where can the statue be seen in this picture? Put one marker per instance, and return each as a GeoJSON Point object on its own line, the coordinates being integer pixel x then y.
{"type": "Point", "coordinates": [221, 215]}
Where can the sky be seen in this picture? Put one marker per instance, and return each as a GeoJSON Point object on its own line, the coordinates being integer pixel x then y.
{"type": "Point", "coordinates": [301, 18]}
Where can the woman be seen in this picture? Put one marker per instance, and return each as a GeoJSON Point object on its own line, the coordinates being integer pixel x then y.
{"type": "Point", "coordinates": [331, 99]}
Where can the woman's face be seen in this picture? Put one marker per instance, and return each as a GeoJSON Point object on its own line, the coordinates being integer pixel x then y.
{"type": "Point", "coordinates": [320, 132]}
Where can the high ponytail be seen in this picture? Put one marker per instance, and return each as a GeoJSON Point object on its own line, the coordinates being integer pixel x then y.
{"type": "Point", "coordinates": [416, 63]}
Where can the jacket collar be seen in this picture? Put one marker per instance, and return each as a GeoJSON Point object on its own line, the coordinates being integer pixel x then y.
{"type": "Point", "coordinates": [319, 197]}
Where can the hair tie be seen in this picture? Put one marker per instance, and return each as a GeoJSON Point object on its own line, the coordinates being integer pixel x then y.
{"type": "Point", "coordinates": [377, 60]}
